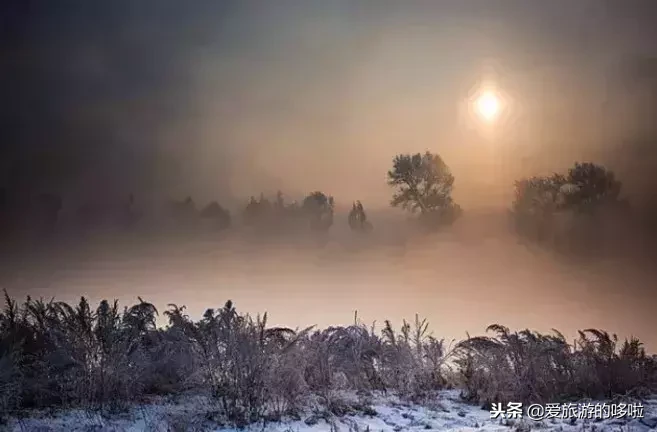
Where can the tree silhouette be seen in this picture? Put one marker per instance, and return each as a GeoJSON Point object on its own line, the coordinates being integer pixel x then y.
{"type": "Point", "coordinates": [586, 187]}
{"type": "Point", "coordinates": [274, 217]}
{"type": "Point", "coordinates": [358, 219]}
{"type": "Point", "coordinates": [592, 186]}
{"type": "Point", "coordinates": [219, 216]}
{"type": "Point", "coordinates": [257, 212]}
{"type": "Point", "coordinates": [318, 207]}
{"type": "Point", "coordinates": [536, 201]}
{"type": "Point", "coordinates": [564, 209]}
{"type": "Point", "coordinates": [424, 183]}
{"type": "Point", "coordinates": [279, 204]}
{"type": "Point", "coordinates": [286, 217]}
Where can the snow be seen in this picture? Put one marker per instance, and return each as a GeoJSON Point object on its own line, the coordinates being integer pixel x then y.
{"type": "Point", "coordinates": [445, 413]}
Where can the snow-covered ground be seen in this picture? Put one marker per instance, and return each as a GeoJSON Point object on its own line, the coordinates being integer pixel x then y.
{"type": "Point", "coordinates": [446, 413]}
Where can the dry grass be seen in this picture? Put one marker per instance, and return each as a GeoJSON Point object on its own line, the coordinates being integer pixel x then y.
{"type": "Point", "coordinates": [104, 359]}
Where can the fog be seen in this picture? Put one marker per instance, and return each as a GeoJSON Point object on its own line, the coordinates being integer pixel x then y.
{"type": "Point", "coordinates": [462, 279]}
{"type": "Point", "coordinates": [225, 100]}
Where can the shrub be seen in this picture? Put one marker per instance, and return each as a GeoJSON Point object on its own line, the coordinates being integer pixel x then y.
{"type": "Point", "coordinates": [56, 354]}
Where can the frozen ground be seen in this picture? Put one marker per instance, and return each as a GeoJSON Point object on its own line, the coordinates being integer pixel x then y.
{"type": "Point", "coordinates": [446, 413]}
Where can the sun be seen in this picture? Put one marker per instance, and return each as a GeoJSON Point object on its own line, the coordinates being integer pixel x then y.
{"type": "Point", "coordinates": [488, 106]}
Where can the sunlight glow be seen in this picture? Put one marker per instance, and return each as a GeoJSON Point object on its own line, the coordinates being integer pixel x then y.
{"type": "Point", "coordinates": [488, 106]}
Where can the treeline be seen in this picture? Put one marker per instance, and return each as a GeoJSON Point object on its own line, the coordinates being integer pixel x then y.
{"type": "Point", "coordinates": [571, 211]}
{"type": "Point", "coordinates": [576, 211]}
{"type": "Point", "coordinates": [422, 184]}
{"type": "Point", "coordinates": [42, 215]}
{"type": "Point", "coordinates": [54, 354]}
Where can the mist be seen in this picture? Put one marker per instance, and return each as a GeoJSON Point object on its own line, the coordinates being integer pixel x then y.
{"type": "Point", "coordinates": [227, 100]}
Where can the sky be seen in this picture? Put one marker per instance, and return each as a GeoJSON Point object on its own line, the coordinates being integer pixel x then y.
{"type": "Point", "coordinates": [227, 99]}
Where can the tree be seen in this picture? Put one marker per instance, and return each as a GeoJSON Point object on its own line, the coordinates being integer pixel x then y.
{"type": "Point", "coordinates": [565, 208]}
{"type": "Point", "coordinates": [274, 217]}
{"type": "Point", "coordinates": [257, 212]}
{"type": "Point", "coordinates": [219, 216]}
{"type": "Point", "coordinates": [586, 187]}
{"type": "Point", "coordinates": [592, 186]}
{"type": "Point", "coordinates": [318, 207]}
{"type": "Point", "coordinates": [285, 217]}
{"type": "Point", "coordinates": [423, 183]}
{"type": "Point", "coordinates": [358, 219]}
{"type": "Point", "coordinates": [536, 200]}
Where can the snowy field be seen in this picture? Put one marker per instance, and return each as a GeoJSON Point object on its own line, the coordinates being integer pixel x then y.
{"type": "Point", "coordinates": [446, 413]}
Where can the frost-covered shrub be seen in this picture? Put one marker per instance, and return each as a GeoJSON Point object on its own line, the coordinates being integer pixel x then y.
{"type": "Point", "coordinates": [56, 354]}
{"type": "Point", "coordinates": [530, 367]}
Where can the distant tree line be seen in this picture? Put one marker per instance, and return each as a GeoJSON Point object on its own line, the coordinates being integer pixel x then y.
{"type": "Point", "coordinates": [568, 211]}
{"type": "Point", "coordinates": [422, 184]}
{"type": "Point", "coordinates": [563, 211]}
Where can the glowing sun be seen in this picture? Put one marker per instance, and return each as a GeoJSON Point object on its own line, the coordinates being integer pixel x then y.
{"type": "Point", "coordinates": [488, 106]}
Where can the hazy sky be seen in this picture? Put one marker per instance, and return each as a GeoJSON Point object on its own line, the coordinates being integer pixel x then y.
{"type": "Point", "coordinates": [225, 99]}
{"type": "Point", "coordinates": [228, 98]}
